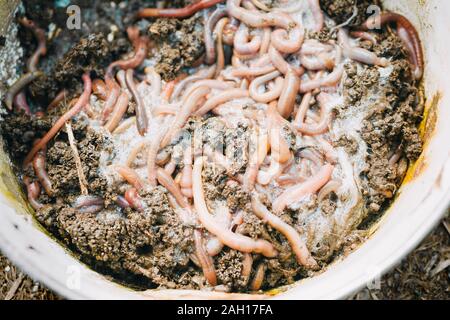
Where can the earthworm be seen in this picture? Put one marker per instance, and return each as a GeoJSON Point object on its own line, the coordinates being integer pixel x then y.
{"type": "Point", "coordinates": [330, 187]}
{"type": "Point", "coordinates": [162, 110]}
{"type": "Point", "coordinates": [122, 202]}
{"type": "Point", "coordinates": [134, 152]}
{"type": "Point", "coordinates": [258, 145]}
{"type": "Point", "coordinates": [288, 42]}
{"type": "Point", "coordinates": [416, 59]}
{"type": "Point", "coordinates": [316, 62]}
{"type": "Point", "coordinates": [187, 109]}
{"type": "Point", "coordinates": [242, 45]}
{"type": "Point", "coordinates": [222, 98]}
{"type": "Point", "coordinates": [141, 114]}
{"type": "Point", "coordinates": [230, 239]}
{"type": "Point", "coordinates": [125, 125]}
{"type": "Point", "coordinates": [365, 36]}
{"type": "Point", "coordinates": [252, 72]}
{"type": "Point", "coordinates": [204, 259]}
{"type": "Point", "coordinates": [329, 80]}
{"type": "Point", "coordinates": [112, 96]}
{"type": "Point", "coordinates": [281, 64]}
{"type": "Point", "coordinates": [20, 85]}
{"type": "Point", "coordinates": [210, 83]}
{"type": "Point", "coordinates": [298, 246]}
{"type": "Point", "coordinates": [325, 118]}
{"type": "Point", "coordinates": [168, 89]}
{"type": "Point", "coordinates": [297, 192]}
{"type": "Point", "coordinates": [33, 192]}
{"type": "Point", "coordinates": [314, 5]}
{"type": "Point", "coordinates": [408, 35]}
{"type": "Point", "coordinates": [185, 12]}
{"type": "Point", "coordinates": [266, 176]}
{"type": "Point", "coordinates": [269, 95]}
{"type": "Point", "coordinates": [395, 157]}
{"type": "Point", "coordinates": [167, 182]}
{"type": "Point", "coordinates": [298, 5]}
{"type": "Point", "coordinates": [286, 102]}
{"type": "Point", "coordinates": [79, 105]}
{"type": "Point", "coordinates": [121, 79]}
{"type": "Point", "coordinates": [200, 75]}
{"type": "Point", "coordinates": [140, 54]}
{"type": "Point", "coordinates": [41, 49]}
{"type": "Point", "coordinates": [41, 172]}
{"type": "Point", "coordinates": [359, 54]}
{"type": "Point", "coordinates": [328, 149]}
{"type": "Point", "coordinates": [258, 279]}
{"type": "Point", "coordinates": [21, 103]}
{"type": "Point", "coordinates": [133, 198]}
{"type": "Point", "coordinates": [314, 47]}
{"type": "Point", "coordinates": [211, 22]}
{"type": "Point", "coordinates": [153, 151]}
{"type": "Point", "coordinates": [186, 178]}
{"type": "Point", "coordinates": [130, 176]}
{"type": "Point", "coordinates": [60, 97]}
{"type": "Point", "coordinates": [258, 19]}
{"type": "Point", "coordinates": [247, 264]}
{"type": "Point", "coordinates": [87, 201]}
{"type": "Point", "coordinates": [220, 61]}
{"type": "Point", "coordinates": [280, 150]}
{"type": "Point", "coordinates": [265, 41]}
{"type": "Point", "coordinates": [287, 179]}
{"type": "Point", "coordinates": [154, 79]}
{"type": "Point", "coordinates": [117, 114]}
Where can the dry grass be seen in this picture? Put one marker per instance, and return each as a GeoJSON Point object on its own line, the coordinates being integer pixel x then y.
{"type": "Point", "coordinates": [424, 274]}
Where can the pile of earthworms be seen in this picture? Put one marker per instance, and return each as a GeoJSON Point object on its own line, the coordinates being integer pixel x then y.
{"type": "Point", "coordinates": [273, 67]}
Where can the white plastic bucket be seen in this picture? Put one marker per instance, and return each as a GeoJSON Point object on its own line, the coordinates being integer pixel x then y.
{"type": "Point", "coordinates": [422, 202]}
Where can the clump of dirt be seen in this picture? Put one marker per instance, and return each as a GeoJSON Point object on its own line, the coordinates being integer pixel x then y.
{"type": "Point", "coordinates": [180, 44]}
{"type": "Point", "coordinates": [342, 10]}
{"type": "Point", "coordinates": [229, 269]}
{"type": "Point", "coordinates": [20, 131]}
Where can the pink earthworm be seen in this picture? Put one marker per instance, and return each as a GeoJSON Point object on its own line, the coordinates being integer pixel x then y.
{"type": "Point", "coordinates": [117, 114]}
{"type": "Point", "coordinates": [297, 244]}
{"type": "Point", "coordinates": [288, 95]}
{"type": "Point", "coordinates": [242, 45]}
{"type": "Point", "coordinates": [222, 98]}
{"type": "Point", "coordinates": [297, 192]}
{"type": "Point", "coordinates": [230, 239]}
{"type": "Point", "coordinates": [133, 198]}
{"type": "Point", "coordinates": [269, 95]}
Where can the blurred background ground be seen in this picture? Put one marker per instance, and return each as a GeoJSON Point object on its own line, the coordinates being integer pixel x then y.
{"type": "Point", "coordinates": [424, 274]}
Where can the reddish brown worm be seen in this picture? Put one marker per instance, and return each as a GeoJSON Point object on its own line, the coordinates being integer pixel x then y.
{"type": "Point", "coordinates": [177, 12]}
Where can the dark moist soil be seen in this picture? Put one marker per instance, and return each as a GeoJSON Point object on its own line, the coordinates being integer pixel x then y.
{"type": "Point", "coordinates": [179, 42]}
{"type": "Point", "coordinates": [152, 248]}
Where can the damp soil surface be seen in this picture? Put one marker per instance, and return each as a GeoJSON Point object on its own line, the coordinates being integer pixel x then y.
{"type": "Point", "coordinates": [152, 249]}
